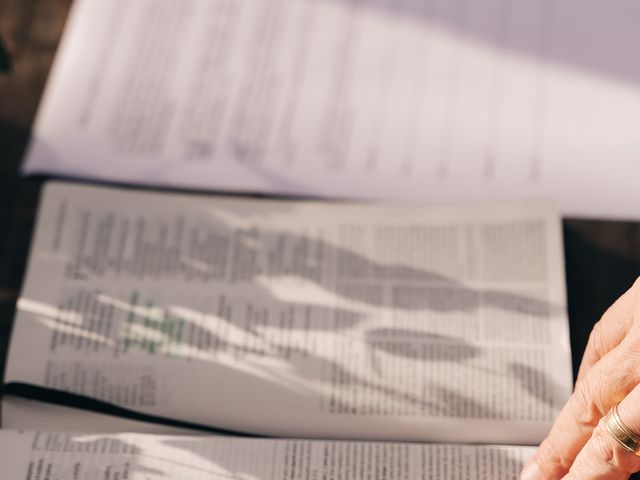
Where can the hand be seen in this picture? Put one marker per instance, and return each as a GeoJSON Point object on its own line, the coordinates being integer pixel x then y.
{"type": "Point", "coordinates": [578, 446]}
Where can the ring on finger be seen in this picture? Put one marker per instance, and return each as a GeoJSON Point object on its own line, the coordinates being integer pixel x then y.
{"type": "Point", "coordinates": [621, 433]}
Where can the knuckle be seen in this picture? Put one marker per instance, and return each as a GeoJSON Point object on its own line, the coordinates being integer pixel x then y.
{"type": "Point", "coordinates": [634, 296]}
{"type": "Point", "coordinates": [603, 444]}
{"type": "Point", "coordinates": [634, 291]}
{"type": "Point", "coordinates": [595, 342]}
{"type": "Point", "coordinates": [551, 458]}
{"type": "Point", "coordinates": [607, 450]}
{"type": "Point", "coordinates": [587, 412]}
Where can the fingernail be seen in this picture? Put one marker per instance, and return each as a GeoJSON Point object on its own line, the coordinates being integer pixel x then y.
{"type": "Point", "coordinates": [531, 472]}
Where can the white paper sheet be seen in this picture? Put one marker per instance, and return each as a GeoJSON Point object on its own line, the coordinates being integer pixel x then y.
{"type": "Point", "coordinates": [442, 323]}
{"type": "Point", "coordinates": [33, 455]}
{"type": "Point", "coordinates": [395, 99]}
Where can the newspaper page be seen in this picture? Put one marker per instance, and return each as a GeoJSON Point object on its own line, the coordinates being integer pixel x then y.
{"type": "Point", "coordinates": [430, 100]}
{"type": "Point", "coordinates": [35, 455]}
{"type": "Point", "coordinates": [299, 319]}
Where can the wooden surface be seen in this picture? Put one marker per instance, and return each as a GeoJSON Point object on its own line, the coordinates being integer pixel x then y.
{"type": "Point", "coordinates": [602, 258]}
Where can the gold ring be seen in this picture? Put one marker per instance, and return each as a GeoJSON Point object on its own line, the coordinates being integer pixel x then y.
{"type": "Point", "coordinates": [621, 433]}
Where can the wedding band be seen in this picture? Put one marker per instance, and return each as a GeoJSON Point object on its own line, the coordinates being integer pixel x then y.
{"type": "Point", "coordinates": [621, 433]}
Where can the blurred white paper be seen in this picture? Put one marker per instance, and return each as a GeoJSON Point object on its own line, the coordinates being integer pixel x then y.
{"type": "Point", "coordinates": [296, 319]}
{"type": "Point", "coordinates": [396, 99]}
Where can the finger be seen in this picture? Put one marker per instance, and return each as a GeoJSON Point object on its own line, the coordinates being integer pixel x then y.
{"type": "Point", "coordinates": [611, 329]}
{"type": "Point", "coordinates": [603, 457]}
{"type": "Point", "coordinates": [610, 380]}
{"type": "Point", "coordinates": [604, 381]}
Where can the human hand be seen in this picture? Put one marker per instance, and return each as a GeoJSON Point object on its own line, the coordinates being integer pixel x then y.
{"type": "Point", "coordinates": [579, 446]}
